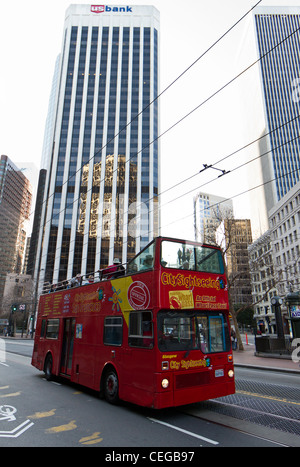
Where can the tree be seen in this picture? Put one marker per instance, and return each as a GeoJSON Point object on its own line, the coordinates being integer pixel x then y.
{"type": "Point", "coordinates": [18, 299]}
{"type": "Point", "coordinates": [234, 236]}
{"type": "Point", "coordinates": [237, 272]}
{"type": "Point", "coordinates": [245, 316]}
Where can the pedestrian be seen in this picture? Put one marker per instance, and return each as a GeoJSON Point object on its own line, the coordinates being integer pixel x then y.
{"type": "Point", "coordinates": [113, 271]}
{"type": "Point", "coordinates": [76, 281]}
{"type": "Point", "coordinates": [233, 339]}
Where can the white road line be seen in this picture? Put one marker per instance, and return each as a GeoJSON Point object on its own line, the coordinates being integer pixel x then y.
{"type": "Point", "coordinates": [211, 441]}
{"type": "Point", "coordinates": [53, 382]}
{"type": "Point", "coordinates": [15, 433]}
{"type": "Point", "coordinates": [26, 344]}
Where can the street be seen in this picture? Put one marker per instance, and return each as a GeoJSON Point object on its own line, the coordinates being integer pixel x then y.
{"type": "Point", "coordinates": [34, 412]}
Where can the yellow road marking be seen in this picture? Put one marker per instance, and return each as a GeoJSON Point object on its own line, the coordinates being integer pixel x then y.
{"type": "Point", "coordinates": [93, 439]}
{"type": "Point", "coordinates": [43, 414]}
{"type": "Point", "coordinates": [13, 394]}
{"type": "Point", "coordinates": [278, 399]}
{"type": "Point", "coordinates": [4, 387]}
{"type": "Point", "coordinates": [58, 429]}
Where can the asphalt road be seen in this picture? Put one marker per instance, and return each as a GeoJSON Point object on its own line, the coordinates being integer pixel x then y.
{"type": "Point", "coordinates": [34, 412]}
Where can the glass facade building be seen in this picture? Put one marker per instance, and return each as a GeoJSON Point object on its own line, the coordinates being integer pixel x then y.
{"type": "Point", "coordinates": [15, 205]}
{"type": "Point", "coordinates": [101, 195]}
{"type": "Point", "coordinates": [278, 42]}
{"type": "Point", "coordinates": [209, 211]}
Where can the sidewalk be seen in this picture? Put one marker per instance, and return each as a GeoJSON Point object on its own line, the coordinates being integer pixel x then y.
{"type": "Point", "coordinates": [247, 358]}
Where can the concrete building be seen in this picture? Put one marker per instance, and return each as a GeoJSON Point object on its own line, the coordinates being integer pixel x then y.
{"type": "Point", "coordinates": [275, 261]}
{"type": "Point", "coordinates": [285, 226]}
{"type": "Point", "coordinates": [234, 236]}
{"type": "Point", "coordinates": [264, 282]}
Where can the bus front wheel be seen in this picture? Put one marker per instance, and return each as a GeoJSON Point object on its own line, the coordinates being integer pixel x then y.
{"type": "Point", "coordinates": [111, 387]}
{"type": "Point", "coordinates": [48, 368]}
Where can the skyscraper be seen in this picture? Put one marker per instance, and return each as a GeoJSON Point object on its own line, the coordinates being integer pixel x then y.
{"type": "Point", "coordinates": [15, 203]}
{"type": "Point", "coordinates": [277, 31]}
{"type": "Point", "coordinates": [270, 107]}
{"type": "Point", "coordinates": [102, 186]}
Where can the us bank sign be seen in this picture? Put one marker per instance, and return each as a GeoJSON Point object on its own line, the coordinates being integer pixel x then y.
{"type": "Point", "coordinates": [113, 9]}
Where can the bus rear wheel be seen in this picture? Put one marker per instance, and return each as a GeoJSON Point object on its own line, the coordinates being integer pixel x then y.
{"type": "Point", "coordinates": [111, 387]}
{"type": "Point", "coordinates": [48, 368]}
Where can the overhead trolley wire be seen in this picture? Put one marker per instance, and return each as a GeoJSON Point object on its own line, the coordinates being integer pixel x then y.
{"type": "Point", "coordinates": [154, 100]}
{"type": "Point", "coordinates": [196, 108]}
{"type": "Point", "coordinates": [190, 112]}
{"type": "Point", "coordinates": [231, 197]}
{"type": "Point", "coordinates": [235, 196]}
{"type": "Point", "coordinates": [208, 99]}
{"type": "Point", "coordinates": [232, 154]}
{"type": "Point", "coordinates": [239, 167]}
{"type": "Point", "coordinates": [211, 97]}
{"type": "Point", "coordinates": [232, 170]}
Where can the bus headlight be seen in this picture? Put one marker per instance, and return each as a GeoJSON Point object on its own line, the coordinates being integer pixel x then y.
{"type": "Point", "coordinates": [165, 383]}
{"type": "Point", "coordinates": [230, 373]}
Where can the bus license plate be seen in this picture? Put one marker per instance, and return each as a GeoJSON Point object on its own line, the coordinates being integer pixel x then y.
{"type": "Point", "coordinates": [219, 373]}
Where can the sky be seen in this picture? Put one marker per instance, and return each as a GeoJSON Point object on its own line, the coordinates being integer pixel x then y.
{"type": "Point", "coordinates": [31, 37]}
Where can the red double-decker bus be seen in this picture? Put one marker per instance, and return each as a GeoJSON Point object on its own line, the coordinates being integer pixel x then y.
{"type": "Point", "coordinates": [156, 334]}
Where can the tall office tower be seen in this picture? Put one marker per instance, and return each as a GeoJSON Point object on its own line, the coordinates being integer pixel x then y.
{"type": "Point", "coordinates": [277, 38]}
{"type": "Point", "coordinates": [278, 29]}
{"type": "Point", "coordinates": [15, 203]}
{"type": "Point", "coordinates": [102, 186]}
{"type": "Point", "coordinates": [209, 212]}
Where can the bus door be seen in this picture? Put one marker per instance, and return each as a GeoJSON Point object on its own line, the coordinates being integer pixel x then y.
{"type": "Point", "coordinates": [217, 335]}
{"type": "Point", "coordinates": [67, 346]}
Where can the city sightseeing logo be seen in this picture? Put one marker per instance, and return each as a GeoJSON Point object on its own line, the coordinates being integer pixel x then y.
{"type": "Point", "coordinates": [113, 9]}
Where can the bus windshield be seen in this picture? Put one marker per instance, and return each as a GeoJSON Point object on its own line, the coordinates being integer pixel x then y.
{"type": "Point", "coordinates": [143, 261]}
{"type": "Point", "coordinates": [190, 330]}
{"type": "Point", "coordinates": [191, 257]}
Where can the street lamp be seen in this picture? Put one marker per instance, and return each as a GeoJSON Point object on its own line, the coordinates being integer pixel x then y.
{"type": "Point", "coordinates": [276, 301]}
{"type": "Point", "coordinates": [276, 304]}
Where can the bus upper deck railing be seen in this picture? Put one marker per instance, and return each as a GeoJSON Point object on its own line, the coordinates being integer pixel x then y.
{"type": "Point", "coordinates": [111, 272]}
{"type": "Point", "coordinates": [179, 254]}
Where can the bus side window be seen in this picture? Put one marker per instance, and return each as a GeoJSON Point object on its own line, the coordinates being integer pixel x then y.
{"type": "Point", "coordinates": [52, 328]}
{"type": "Point", "coordinates": [113, 330]}
{"type": "Point", "coordinates": [43, 328]}
{"type": "Point", "coordinates": [140, 329]}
